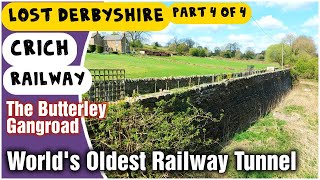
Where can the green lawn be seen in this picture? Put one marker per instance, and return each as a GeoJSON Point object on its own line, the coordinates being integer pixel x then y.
{"type": "Point", "coordinates": [151, 66]}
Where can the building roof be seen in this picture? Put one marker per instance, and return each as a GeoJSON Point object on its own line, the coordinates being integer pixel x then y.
{"type": "Point", "coordinates": [115, 37]}
{"type": "Point", "coordinates": [93, 34]}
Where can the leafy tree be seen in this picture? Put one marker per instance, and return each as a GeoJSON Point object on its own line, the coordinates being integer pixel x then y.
{"type": "Point", "coordinates": [306, 66]}
{"type": "Point", "coordinates": [173, 47]}
{"type": "Point", "coordinates": [190, 43]}
{"type": "Point", "coordinates": [249, 54]}
{"type": "Point", "coordinates": [182, 48]}
{"type": "Point", "coordinates": [226, 54]}
{"type": "Point", "coordinates": [203, 52]}
{"type": "Point", "coordinates": [304, 43]}
{"type": "Point", "coordinates": [232, 48]}
{"type": "Point", "coordinates": [157, 44]}
{"type": "Point", "coordinates": [274, 53]}
{"type": "Point", "coordinates": [217, 51]}
{"type": "Point", "coordinates": [238, 54]}
{"type": "Point", "coordinates": [136, 44]}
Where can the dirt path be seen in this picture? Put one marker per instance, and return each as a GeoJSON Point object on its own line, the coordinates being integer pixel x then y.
{"type": "Point", "coordinates": [300, 110]}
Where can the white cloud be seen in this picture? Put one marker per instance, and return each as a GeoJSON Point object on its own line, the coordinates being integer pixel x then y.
{"type": "Point", "coordinates": [204, 38]}
{"type": "Point", "coordinates": [269, 22]}
{"type": "Point", "coordinates": [279, 36]}
{"type": "Point", "coordinates": [160, 38]}
{"type": "Point", "coordinates": [204, 27]}
{"type": "Point", "coordinates": [240, 37]}
{"type": "Point", "coordinates": [311, 22]}
{"type": "Point", "coordinates": [183, 31]}
{"type": "Point", "coordinates": [211, 27]}
{"type": "Point", "coordinates": [232, 27]}
{"type": "Point", "coordinates": [286, 5]}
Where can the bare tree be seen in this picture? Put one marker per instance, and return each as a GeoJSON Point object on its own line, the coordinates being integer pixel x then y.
{"type": "Point", "coordinates": [137, 35]}
{"type": "Point", "coordinates": [233, 47]}
{"type": "Point", "coordinates": [288, 39]}
{"type": "Point", "coordinates": [190, 43]}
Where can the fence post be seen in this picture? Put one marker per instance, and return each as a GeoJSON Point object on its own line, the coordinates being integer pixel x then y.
{"type": "Point", "coordinates": [155, 86]}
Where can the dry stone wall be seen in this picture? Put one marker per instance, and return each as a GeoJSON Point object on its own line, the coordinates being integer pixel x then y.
{"type": "Point", "coordinates": [152, 85]}
{"type": "Point", "coordinates": [238, 102]}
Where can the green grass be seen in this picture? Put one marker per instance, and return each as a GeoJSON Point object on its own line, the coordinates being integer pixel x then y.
{"type": "Point", "coordinates": [266, 136]}
{"type": "Point", "coordinates": [266, 129]}
{"type": "Point", "coordinates": [293, 108]}
{"type": "Point", "coordinates": [149, 66]}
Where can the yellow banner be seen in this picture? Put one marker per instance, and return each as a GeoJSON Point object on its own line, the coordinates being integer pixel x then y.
{"type": "Point", "coordinates": [129, 16]}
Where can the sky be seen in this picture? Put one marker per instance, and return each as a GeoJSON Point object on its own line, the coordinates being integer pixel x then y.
{"type": "Point", "coordinates": [276, 19]}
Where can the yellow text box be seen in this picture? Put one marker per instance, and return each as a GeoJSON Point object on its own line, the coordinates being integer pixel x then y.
{"type": "Point", "coordinates": [210, 13]}
{"type": "Point", "coordinates": [113, 16]}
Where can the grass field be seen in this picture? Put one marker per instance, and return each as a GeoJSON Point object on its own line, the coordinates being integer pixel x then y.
{"type": "Point", "coordinates": [151, 66]}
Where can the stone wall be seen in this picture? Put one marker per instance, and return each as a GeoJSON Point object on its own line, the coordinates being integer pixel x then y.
{"type": "Point", "coordinates": [238, 102]}
{"type": "Point", "coordinates": [152, 85]}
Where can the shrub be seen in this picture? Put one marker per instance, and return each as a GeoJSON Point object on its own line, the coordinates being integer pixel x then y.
{"type": "Point", "coordinates": [92, 48]}
{"type": "Point", "coordinates": [99, 49]}
{"type": "Point", "coordinates": [136, 44]}
{"type": "Point", "coordinates": [194, 51]}
{"type": "Point", "coordinates": [171, 126]}
{"type": "Point", "coordinates": [307, 68]}
{"type": "Point", "coordinates": [202, 52]}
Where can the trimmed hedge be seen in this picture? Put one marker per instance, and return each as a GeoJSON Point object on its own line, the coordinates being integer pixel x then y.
{"type": "Point", "coordinates": [92, 48]}
{"type": "Point", "coordinates": [99, 49]}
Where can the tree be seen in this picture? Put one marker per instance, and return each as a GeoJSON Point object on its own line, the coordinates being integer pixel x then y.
{"type": "Point", "coordinates": [194, 51]}
{"type": "Point", "coordinates": [173, 43]}
{"type": "Point", "coordinates": [238, 55]}
{"type": "Point", "coordinates": [304, 43]}
{"type": "Point", "coordinates": [232, 48]}
{"type": "Point", "coordinates": [99, 49]}
{"type": "Point", "coordinates": [92, 48]}
{"type": "Point", "coordinates": [202, 52]}
{"type": "Point", "coordinates": [137, 35]}
{"type": "Point", "coordinates": [226, 54]}
{"type": "Point", "coordinates": [136, 44]}
{"type": "Point", "coordinates": [182, 48]}
{"type": "Point", "coordinates": [274, 53]}
{"type": "Point", "coordinates": [289, 39]}
{"type": "Point", "coordinates": [249, 54]}
{"type": "Point", "coordinates": [157, 44]}
{"type": "Point", "coordinates": [217, 51]}
{"type": "Point", "coordinates": [189, 42]}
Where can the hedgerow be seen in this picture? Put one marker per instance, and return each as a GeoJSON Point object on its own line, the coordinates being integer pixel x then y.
{"type": "Point", "coordinates": [171, 126]}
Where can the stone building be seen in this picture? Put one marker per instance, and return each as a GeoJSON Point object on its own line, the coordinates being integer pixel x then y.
{"type": "Point", "coordinates": [96, 39]}
{"type": "Point", "coordinates": [116, 42]}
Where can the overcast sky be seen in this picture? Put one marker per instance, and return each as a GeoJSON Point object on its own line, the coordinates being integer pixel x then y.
{"type": "Point", "coordinates": [275, 18]}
